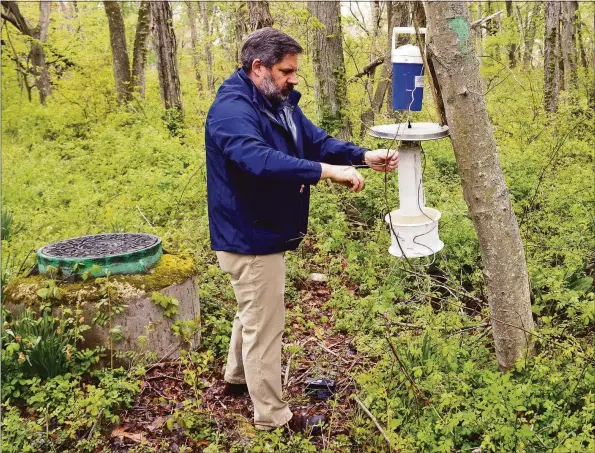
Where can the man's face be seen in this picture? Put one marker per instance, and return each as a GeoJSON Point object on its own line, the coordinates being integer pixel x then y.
{"type": "Point", "coordinates": [277, 82]}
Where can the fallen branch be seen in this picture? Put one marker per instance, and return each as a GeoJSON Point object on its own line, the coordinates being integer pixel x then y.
{"type": "Point", "coordinates": [147, 220]}
{"type": "Point", "coordinates": [369, 414]}
{"type": "Point", "coordinates": [163, 376]}
{"type": "Point", "coordinates": [287, 367]}
{"type": "Point", "coordinates": [94, 424]}
{"type": "Point", "coordinates": [327, 349]}
{"type": "Point", "coordinates": [483, 334]}
{"type": "Point", "coordinates": [485, 19]}
{"type": "Point", "coordinates": [408, 325]}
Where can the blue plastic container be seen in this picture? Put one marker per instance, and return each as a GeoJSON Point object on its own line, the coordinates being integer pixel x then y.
{"type": "Point", "coordinates": [408, 73]}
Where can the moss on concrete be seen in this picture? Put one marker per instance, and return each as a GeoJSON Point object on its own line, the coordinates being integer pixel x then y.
{"type": "Point", "coordinates": [170, 270]}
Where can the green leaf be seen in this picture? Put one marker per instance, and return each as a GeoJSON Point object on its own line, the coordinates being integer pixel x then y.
{"type": "Point", "coordinates": [44, 293]}
{"type": "Point", "coordinates": [582, 284]}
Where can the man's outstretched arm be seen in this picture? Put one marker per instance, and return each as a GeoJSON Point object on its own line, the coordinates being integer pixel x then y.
{"type": "Point", "coordinates": [239, 139]}
{"type": "Point", "coordinates": [333, 151]}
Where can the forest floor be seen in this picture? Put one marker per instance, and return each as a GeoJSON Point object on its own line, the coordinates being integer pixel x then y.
{"type": "Point", "coordinates": [321, 353]}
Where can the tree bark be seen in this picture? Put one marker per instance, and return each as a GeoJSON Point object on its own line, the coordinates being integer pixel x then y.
{"type": "Point", "coordinates": [39, 68]}
{"type": "Point", "coordinates": [591, 85]}
{"type": "Point", "coordinates": [260, 15]}
{"type": "Point", "coordinates": [117, 34]}
{"type": "Point", "coordinates": [512, 47]}
{"type": "Point", "coordinates": [204, 18]}
{"type": "Point", "coordinates": [42, 75]}
{"type": "Point", "coordinates": [375, 5]}
{"type": "Point", "coordinates": [367, 115]}
{"type": "Point", "coordinates": [167, 63]}
{"type": "Point", "coordinates": [581, 46]}
{"type": "Point", "coordinates": [551, 71]}
{"type": "Point", "coordinates": [399, 17]}
{"type": "Point", "coordinates": [330, 84]}
{"type": "Point", "coordinates": [568, 43]}
{"type": "Point", "coordinates": [419, 20]}
{"type": "Point", "coordinates": [139, 53]}
{"type": "Point", "coordinates": [65, 7]}
{"type": "Point", "coordinates": [484, 188]}
{"type": "Point", "coordinates": [530, 32]}
{"type": "Point", "coordinates": [479, 30]}
{"type": "Point", "coordinates": [194, 43]}
{"type": "Point", "coordinates": [241, 29]}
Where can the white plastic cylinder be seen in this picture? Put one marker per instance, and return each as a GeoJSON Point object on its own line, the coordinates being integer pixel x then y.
{"type": "Point", "coordinates": [414, 237]}
{"type": "Point", "coordinates": [411, 190]}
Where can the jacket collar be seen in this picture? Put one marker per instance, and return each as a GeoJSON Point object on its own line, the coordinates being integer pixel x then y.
{"type": "Point", "coordinates": [263, 102]}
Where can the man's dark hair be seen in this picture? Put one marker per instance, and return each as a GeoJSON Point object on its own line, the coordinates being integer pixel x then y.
{"type": "Point", "coordinates": [269, 46]}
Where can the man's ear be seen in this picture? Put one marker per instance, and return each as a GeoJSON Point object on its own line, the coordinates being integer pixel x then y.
{"type": "Point", "coordinates": [257, 67]}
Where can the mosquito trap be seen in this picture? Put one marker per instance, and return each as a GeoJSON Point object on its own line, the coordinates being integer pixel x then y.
{"type": "Point", "coordinates": [413, 226]}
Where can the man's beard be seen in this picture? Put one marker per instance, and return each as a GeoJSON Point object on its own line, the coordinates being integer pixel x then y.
{"type": "Point", "coordinates": [272, 92]}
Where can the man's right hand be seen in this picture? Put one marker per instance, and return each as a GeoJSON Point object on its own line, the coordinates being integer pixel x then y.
{"type": "Point", "coordinates": [343, 174]}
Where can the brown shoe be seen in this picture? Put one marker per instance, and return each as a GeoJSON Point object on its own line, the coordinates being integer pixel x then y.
{"type": "Point", "coordinates": [234, 389]}
{"type": "Point", "coordinates": [301, 422]}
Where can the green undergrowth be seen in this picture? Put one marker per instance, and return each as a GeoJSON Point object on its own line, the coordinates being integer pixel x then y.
{"type": "Point", "coordinates": [428, 374]}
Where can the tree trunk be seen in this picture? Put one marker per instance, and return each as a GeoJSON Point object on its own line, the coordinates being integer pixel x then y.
{"type": "Point", "coordinates": [194, 43]}
{"type": "Point", "coordinates": [260, 15]}
{"type": "Point", "coordinates": [139, 54]}
{"type": "Point", "coordinates": [330, 85]}
{"type": "Point", "coordinates": [492, 28]}
{"type": "Point", "coordinates": [530, 32]}
{"type": "Point", "coordinates": [65, 8]}
{"type": "Point", "coordinates": [591, 85]}
{"type": "Point", "coordinates": [568, 43]}
{"type": "Point", "coordinates": [367, 115]}
{"type": "Point", "coordinates": [581, 46]}
{"type": "Point", "coordinates": [479, 30]}
{"type": "Point", "coordinates": [551, 84]}
{"type": "Point", "coordinates": [241, 29]}
{"type": "Point", "coordinates": [484, 187]}
{"type": "Point", "coordinates": [512, 46]}
{"type": "Point", "coordinates": [42, 76]}
{"type": "Point", "coordinates": [167, 63]}
{"type": "Point", "coordinates": [117, 35]}
{"type": "Point", "coordinates": [39, 34]}
{"type": "Point", "coordinates": [399, 17]}
{"type": "Point", "coordinates": [419, 20]}
{"type": "Point", "coordinates": [386, 70]}
{"type": "Point", "coordinates": [375, 5]}
{"type": "Point", "coordinates": [204, 18]}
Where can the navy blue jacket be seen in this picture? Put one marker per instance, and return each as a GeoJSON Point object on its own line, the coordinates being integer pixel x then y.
{"type": "Point", "coordinates": [258, 175]}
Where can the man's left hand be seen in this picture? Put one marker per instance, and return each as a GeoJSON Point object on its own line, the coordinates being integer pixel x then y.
{"type": "Point", "coordinates": [382, 159]}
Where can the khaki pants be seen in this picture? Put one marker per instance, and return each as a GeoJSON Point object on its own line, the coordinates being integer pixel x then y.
{"type": "Point", "coordinates": [255, 348]}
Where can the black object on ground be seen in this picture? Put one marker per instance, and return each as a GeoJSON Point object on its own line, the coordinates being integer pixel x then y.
{"type": "Point", "coordinates": [320, 388]}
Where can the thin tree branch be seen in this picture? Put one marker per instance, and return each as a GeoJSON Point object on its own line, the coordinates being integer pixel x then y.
{"type": "Point", "coordinates": [11, 20]}
{"type": "Point", "coordinates": [19, 21]}
{"type": "Point", "coordinates": [485, 19]}
{"type": "Point", "coordinates": [369, 414]}
{"type": "Point", "coordinates": [366, 70]}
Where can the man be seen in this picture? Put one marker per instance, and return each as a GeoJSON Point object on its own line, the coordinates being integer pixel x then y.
{"type": "Point", "coordinates": [262, 156]}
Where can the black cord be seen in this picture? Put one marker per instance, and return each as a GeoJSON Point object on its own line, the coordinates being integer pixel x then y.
{"type": "Point", "coordinates": [435, 223]}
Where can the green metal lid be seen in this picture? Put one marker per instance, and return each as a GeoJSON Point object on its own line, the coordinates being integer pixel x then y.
{"type": "Point", "coordinates": [95, 255]}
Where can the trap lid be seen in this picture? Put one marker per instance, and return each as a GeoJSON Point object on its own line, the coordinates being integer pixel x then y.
{"type": "Point", "coordinates": [95, 255]}
{"type": "Point", "coordinates": [416, 133]}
